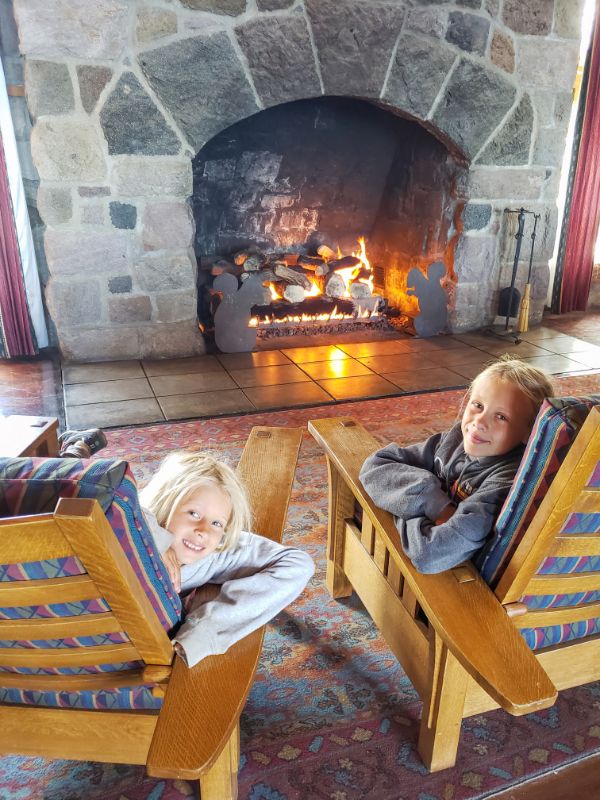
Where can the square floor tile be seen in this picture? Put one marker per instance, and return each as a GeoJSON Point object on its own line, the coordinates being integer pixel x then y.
{"type": "Point", "coordinates": [360, 386]}
{"type": "Point", "coordinates": [291, 395]}
{"type": "Point", "coordinates": [181, 366]}
{"type": "Point", "coordinates": [399, 363]}
{"type": "Point", "coordinates": [539, 333]}
{"type": "Point", "coordinates": [470, 371]}
{"type": "Point", "coordinates": [77, 394]}
{"type": "Point", "coordinates": [264, 358]}
{"type": "Point", "coordinates": [205, 404]}
{"type": "Point", "coordinates": [101, 371]}
{"type": "Point", "coordinates": [568, 346]}
{"type": "Point", "coordinates": [339, 368]}
{"type": "Point", "coordinates": [104, 415]}
{"type": "Point", "coordinates": [555, 364]}
{"type": "Point", "coordinates": [304, 355]}
{"type": "Point", "coordinates": [164, 385]}
{"type": "Point", "coordinates": [365, 349]}
{"type": "Point", "coordinates": [462, 355]}
{"type": "Point", "coordinates": [268, 376]}
{"type": "Point", "coordinates": [591, 358]}
{"type": "Point", "coordinates": [522, 350]}
{"type": "Point", "coordinates": [417, 380]}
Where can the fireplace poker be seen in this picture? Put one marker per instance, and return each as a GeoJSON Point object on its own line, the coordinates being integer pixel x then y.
{"type": "Point", "coordinates": [523, 323]}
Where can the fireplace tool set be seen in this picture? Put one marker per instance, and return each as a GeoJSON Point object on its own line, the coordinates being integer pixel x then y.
{"type": "Point", "coordinates": [510, 303]}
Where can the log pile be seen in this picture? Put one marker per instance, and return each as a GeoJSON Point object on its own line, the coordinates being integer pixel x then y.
{"type": "Point", "coordinates": [292, 277]}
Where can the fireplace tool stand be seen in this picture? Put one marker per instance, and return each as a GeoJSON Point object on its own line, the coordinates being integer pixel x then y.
{"type": "Point", "coordinates": [510, 297]}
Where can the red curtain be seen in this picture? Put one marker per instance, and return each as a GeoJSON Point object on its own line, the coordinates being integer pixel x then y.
{"type": "Point", "coordinates": [585, 206]}
{"type": "Point", "coordinates": [16, 337]}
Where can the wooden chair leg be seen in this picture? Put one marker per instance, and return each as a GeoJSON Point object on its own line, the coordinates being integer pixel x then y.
{"type": "Point", "coordinates": [341, 506]}
{"type": "Point", "coordinates": [443, 709]}
{"type": "Point", "coordinates": [220, 782]}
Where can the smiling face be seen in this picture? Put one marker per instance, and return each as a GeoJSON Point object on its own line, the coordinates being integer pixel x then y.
{"type": "Point", "coordinates": [198, 523]}
{"type": "Point", "coordinates": [498, 416]}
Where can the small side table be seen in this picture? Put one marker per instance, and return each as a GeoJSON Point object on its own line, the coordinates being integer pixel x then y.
{"type": "Point", "coordinates": [28, 436]}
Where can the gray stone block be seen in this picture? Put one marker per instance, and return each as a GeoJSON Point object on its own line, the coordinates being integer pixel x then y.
{"type": "Point", "coordinates": [549, 147]}
{"type": "Point", "coordinates": [92, 81]}
{"type": "Point", "coordinates": [75, 252]}
{"type": "Point", "coordinates": [541, 66]}
{"type": "Point", "coordinates": [93, 191]}
{"type": "Point", "coordinates": [475, 101]}
{"type": "Point", "coordinates": [49, 88]}
{"type": "Point", "coordinates": [469, 3]}
{"type": "Point", "coordinates": [172, 340]}
{"type": "Point", "coordinates": [508, 183]}
{"type": "Point", "coordinates": [476, 216]}
{"type": "Point", "coordinates": [533, 17]}
{"type": "Point", "coordinates": [502, 52]}
{"type": "Point", "coordinates": [419, 70]}
{"type": "Point", "coordinates": [222, 169]}
{"type": "Point", "coordinates": [567, 18]}
{"type": "Point", "coordinates": [474, 258]}
{"type": "Point", "coordinates": [99, 343]}
{"type": "Point", "coordinates": [273, 5]}
{"type": "Point", "coordinates": [74, 302]}
{"type": "Point", "coordinates": [132, 123]}
{"type": "Point", "coordinates": [202, 83]}
{"type": "Point", "coordinates": [176, 306]}
{"type": "Point", "coordinates": [230, 7]}
{"type": "Point", "coordinates": [167, 226]}
{"type": "Point", "coordinates": [512, 143]}
{"type": "Point", "coordinates": [67, 149]}
{"type": "Point", "coordinates": [355, 42]}
{"type": "Point", "coordinates": [122, 284]}
{"type": "Point", "coordinates": [154, 23]}
{"type": "Point", "coordinates": [492, 7]}
{"type": "Point", "coordinates": [280, 57]}
{"type": "Point", "coordinates": [163, 273]}
{"type": "Point", "coordinates": [143, 177]}
{"type": "Point", "coordinates": [51, 28]}
{"type": "Point", "coordinates": [258, 167]}
{"type": "Point", "coordinates": [92, 214]}
{"type": "Point", "coordinates": [468, 31]}
{"type": "Point", "coordinates": [430, 21]}
{"type": "Point", "coordinates": [54, 204]}
{"type": "Point", "coordinates": [123, 215]}
{"type": "Point", "coordinates": [133, 308]}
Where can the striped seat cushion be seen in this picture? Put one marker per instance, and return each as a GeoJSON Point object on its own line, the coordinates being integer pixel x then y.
{"type": "Point", "coordinates": [557, 424]}
{"type": "Point", "coordinates": [30, 486]}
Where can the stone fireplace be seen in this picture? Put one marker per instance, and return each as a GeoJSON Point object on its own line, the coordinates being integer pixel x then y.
{"type": "Point", "coordinates": [464, 105]}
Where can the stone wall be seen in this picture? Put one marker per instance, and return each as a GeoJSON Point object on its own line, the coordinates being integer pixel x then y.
{"type": "Point", "coordinates": [123, 94]}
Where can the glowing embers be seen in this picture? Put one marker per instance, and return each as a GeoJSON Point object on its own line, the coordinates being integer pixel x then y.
{"type": "Point", "coordinates": [313, 290]}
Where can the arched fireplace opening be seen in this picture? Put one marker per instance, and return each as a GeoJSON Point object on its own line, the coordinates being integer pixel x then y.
{"type": "Point", "coordinates": [283, 198]}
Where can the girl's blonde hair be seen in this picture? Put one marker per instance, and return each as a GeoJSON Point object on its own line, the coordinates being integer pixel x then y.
{"type": "Point", "coordinates": [180, 474]}
{"type": "Point", "coordinates": [533, 382]}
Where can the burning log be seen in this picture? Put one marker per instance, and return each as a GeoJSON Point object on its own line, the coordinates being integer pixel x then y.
{"type": "Point", "coordinates": [294, 293]}
{"type": "Point", "coordinates": [221, 266]}
{"type": "Point", "coordinates": [253, 263]}
{"type": "Point", "coordinates": [290, 259]}
{"type": "Point", "coordinates": [343, 263]}
{"type": "Point", "coordinates": [362, 274]}
{"type": "Point", "coordinates": [326, 252]}
{"type": "Point", "coordinates": [310, 262]}
{"type": "Point", "coordinates": [267, 274]}
{"type": "Point", "coordinates": [292, 275]}
{"type": "Point", "coordinates": [334, 285]}
{"type": "Point", "coordinates": [322, 269]}
{"type": "Point", "coordinates": [251, 259]}
{"type": "Point", "coordinates": [312, 306]}
{"type": "Point", "coordinates": [359, 290]}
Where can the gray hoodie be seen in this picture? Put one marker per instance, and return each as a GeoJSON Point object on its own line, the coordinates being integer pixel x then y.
{"type": "Point", "coordinates": [415, 484]}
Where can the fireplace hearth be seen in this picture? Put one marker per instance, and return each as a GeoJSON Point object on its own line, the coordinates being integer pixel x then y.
{"type": "Point", "coordinates": [170, 136]}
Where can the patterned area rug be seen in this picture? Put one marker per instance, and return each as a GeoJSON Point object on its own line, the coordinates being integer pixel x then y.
{"type": "Point", "coordinates": [331, 715]}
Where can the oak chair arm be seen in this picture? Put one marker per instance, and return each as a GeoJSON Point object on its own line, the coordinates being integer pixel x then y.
{"type": "Point", "coordinates": [459, 605]}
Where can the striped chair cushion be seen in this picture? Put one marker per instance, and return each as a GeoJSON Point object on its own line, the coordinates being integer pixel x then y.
{"type": "Point", "coordinates": [557, 424]}
{"type": "Point", "coordinates": [30, 486]}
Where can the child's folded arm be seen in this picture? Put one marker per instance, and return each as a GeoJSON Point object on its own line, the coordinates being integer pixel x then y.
{"type": "Point", "coordinates": [259, 579]}
{"type": "Point", "coordinates": [434, 548]}
{"type": "Point", "coordinates": [400, 480]}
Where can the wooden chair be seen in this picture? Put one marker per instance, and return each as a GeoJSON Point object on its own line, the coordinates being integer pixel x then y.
{"type": "Point", "coordinates": [195, 733]}
{"type": "Point", "coordinates": [457, 640]}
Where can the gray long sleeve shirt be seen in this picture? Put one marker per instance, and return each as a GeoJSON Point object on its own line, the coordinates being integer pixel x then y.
{"type": "Point", "coordinates": [258, 579]}
{"type": "Point", "coordinates": [417, 482]}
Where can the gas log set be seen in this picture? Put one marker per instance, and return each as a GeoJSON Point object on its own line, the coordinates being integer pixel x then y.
{"type": "Point", "coordinates": [306, 290]}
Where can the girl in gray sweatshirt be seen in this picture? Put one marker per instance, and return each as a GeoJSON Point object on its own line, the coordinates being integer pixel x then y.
{"type": "Point", "coordinates": [197, 510]}
{"type": "Point", "coordinates": [445, 493]}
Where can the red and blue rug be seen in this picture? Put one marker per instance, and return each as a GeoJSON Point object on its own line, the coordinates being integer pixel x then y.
{"type": "Point", "coordinates": [332, 715]}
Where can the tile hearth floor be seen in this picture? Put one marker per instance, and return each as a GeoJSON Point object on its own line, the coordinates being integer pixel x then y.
{"type": "Point", "coordinates": [134, 392]}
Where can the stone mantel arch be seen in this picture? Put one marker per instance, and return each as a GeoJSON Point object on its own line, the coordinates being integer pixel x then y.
{"type": "Point", "coordinates": [123, 101]}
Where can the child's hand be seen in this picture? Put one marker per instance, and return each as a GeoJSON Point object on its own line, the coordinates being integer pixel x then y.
{"type": "Point", "coordinates": [446, 513]}
{"type": "Point", "coordinates": [171, 563]}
